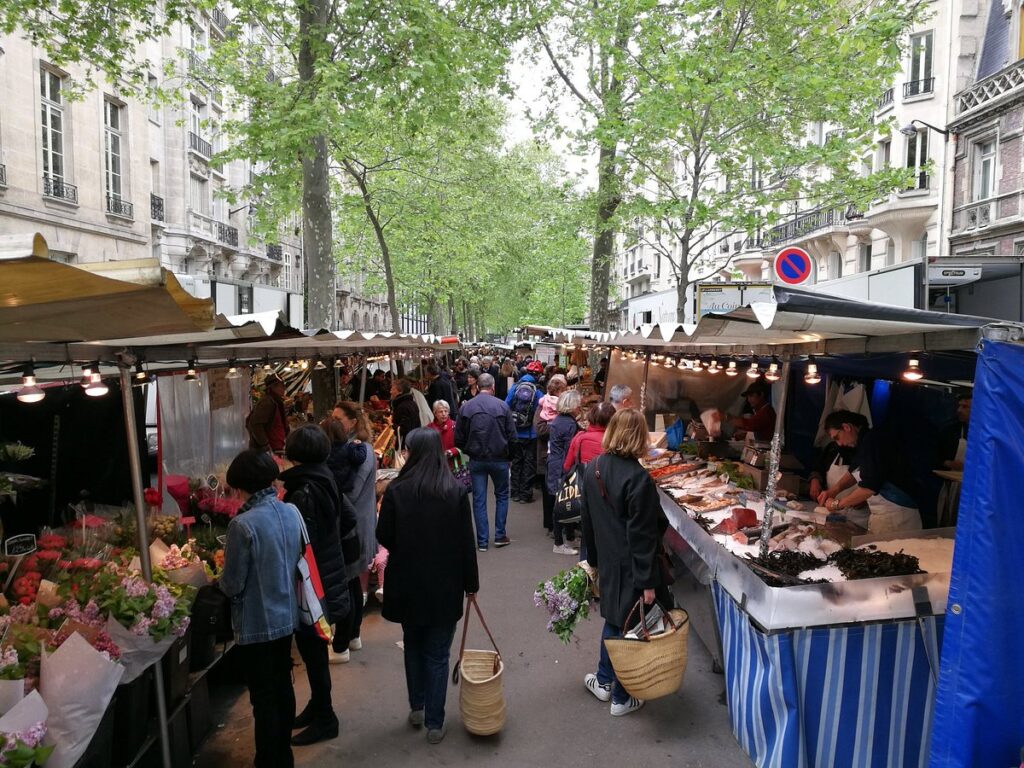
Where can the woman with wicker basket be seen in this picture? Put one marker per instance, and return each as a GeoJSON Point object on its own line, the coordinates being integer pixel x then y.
{"type": "Point", "coordinates": [620, 511]}
{"type": "Point", "coordinates": [427, 527]}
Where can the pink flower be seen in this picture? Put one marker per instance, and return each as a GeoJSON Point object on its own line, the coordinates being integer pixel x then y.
{"type": "Point", "coordinates": [134, 586]}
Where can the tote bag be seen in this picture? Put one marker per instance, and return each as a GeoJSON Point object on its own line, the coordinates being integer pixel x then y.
{"type": "Point", "coordinates": [568, 505]}
{"type": "Point", "coordinates": [311, 592]}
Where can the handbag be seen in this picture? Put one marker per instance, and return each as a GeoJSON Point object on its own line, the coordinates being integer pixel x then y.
{"type": "Point", "coordinates": [211, 613]}
{"type": "Point", "coordinates": [312, 617]}
{"type": "Point", "coordinates": [568, 503]}
{"type": "Point", "coordinates": [461, 472]}
{"type": "Point", "coordinates": [482, 695]}
{"type": "Point", "coordinates": [652, 666]}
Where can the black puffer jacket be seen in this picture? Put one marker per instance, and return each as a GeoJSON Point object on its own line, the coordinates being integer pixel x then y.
{"type": "Point", "coordinates": [405, 415]}
{"type": "Point", "coordinates": [311, 488]}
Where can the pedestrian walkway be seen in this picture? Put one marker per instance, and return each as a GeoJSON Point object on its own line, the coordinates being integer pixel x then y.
{"type": "Point", "coordinates": [552, 719]}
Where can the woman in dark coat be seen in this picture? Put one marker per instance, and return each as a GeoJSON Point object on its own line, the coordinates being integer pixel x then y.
{"type": "Point", "coordinates": [309, 485]}
{"type": "Point", "coordinates": [563, 430]}
{"type": "Point", "coordinates": [621, 528]}
{"type": "Point", "coordinates": [405, 414]}
{"type": "Point", "coordinates": [427, 526]}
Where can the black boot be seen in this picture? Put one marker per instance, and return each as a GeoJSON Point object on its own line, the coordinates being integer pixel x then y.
{"type": "Point", "coordinates": [305, 718]}
{"type": "Point", "coordinates": [321, 729]}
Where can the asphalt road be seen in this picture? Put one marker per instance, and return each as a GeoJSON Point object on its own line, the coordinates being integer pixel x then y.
{"type": "Point", "coordinates": [552, 719]}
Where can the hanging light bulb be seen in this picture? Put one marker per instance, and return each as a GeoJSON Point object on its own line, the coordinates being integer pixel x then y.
{"type": "Point", "coordinates": [233, 372]}
{"type": "Point", "coordinates": [304, 365]}
{"type": "Point", "coordinates": [670, 362]}
{"type": "Point", "coordinates": [812, 376]}
{"type": "Point", "coordinates": [753, 371]}
{"type": "Point", "coordinates": [86, 376]}
{"type": "Point", "coordinates": [96, 387]}
{"type": "Point", "coordinates": [266, 364]}
{"type": "Point", "coordinates": [772, 374]}
{"type": "Point", "coordinates": [913, 372]}
{"type": "Point", "coordinates": [320, 366]}
{"type": "Point", "coordinates": [338, 363]}
{"type": "Point", "coordinates": [288, 367]}
{"type": "Point", "coordinates": [140, 373]}
{"type": "Point", "coordinates": [191, 375]}
{"type": "Point", "coordinates": [713, 366]}
{"type": "Point", "coordinates": [695, 365]}
{"type": "Point", "coordinates": [731, 370]}
{"type": "Point", "coordinates": [30, 391]}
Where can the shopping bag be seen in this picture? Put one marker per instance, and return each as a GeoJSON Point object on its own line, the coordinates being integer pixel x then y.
{"type": "Point", "coordinates": [311, 592]}
{"type": "Point", "coordinates": [568, 503]}
{"type": "Point", "coordinates": [482, 695]}
{"type": "Point", "coordinates": [461, 472]}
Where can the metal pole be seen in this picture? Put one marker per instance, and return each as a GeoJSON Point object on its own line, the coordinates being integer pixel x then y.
{"type": "Point", "coordinates": [773, 462]}
{"type": "Point", "coordinates": [135, 465]}
{"type": "Point", "coordinates": [362, 383]}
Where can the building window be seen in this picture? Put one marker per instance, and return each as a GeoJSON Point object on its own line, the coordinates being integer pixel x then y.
{"type": "Point", "coordinates": [890, 253]}
{"type": "Point", "coordinates": [865, 258]}
{"type": "Point", "coordinates": [245, 299]}
{"type": "Point", "coordinates": [835, 265]}
{"type": "Point", "coordinates": [200, 194]}
{"type": "Point", "coordinates": [917, 158]}
{"type": "Point", "coordinates": [884, 154]}
{"type": "Point", "coordinates": [113, 151]}
{"type": "Point", "coordinates": [984, 185]}
{"type": "Point", "coordinates": [152, 86]}
{"type": "Point", "coordinates": [52, 124]}
{"type": "Point", "coordinates": [920, 78]}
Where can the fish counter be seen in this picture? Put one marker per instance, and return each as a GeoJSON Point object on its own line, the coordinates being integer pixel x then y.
{"type": "Point", "coordinates": [823, 667]}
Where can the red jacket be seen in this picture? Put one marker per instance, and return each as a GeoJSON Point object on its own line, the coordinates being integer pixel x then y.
{"type": "Point", "coordinates": [761, 422]}
{"type": "Point", "coordinates": [447, 433]}
{"type": "Point", "coordinates": [587, 444]}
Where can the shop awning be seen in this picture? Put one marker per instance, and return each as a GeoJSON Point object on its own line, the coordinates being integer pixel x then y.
{"type": "Point", "coordinates": [45, 300]}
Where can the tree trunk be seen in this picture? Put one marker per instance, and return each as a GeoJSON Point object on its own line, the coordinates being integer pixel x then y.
{"type": "Point", "coordinates": [681, 301]}
{"type": "Point", "coordinates": [604, 238]}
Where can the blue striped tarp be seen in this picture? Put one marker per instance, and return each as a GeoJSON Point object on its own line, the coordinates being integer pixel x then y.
{"type": "Point", "coordinates": [830, 697]}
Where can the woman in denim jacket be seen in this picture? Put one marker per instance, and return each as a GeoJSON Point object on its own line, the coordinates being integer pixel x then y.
{"type": "Point", "coordinates": [264, 544]}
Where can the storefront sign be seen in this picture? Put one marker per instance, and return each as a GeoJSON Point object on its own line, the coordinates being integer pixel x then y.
{"type": "Point", "coordinates": [718, 298]}
{"type": "Point", "coordinates": [17, 546]}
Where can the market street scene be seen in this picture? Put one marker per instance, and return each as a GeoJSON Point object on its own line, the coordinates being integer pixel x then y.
{"type": "Point", "coordinates": [511, 383]}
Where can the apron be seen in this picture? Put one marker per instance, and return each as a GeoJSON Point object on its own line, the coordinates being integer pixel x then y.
{"type": "Point", "coordinates": [948, 504]}
{"type": "Point", "coordinates": [887, 516]}
{"type": "Point", "coordinates": [961, 450]}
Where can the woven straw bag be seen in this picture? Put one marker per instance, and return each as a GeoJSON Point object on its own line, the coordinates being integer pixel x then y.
{"type": "Point", "coordinates": [652, 666]}
{"type": "Point", "coordinates": [482, 694]}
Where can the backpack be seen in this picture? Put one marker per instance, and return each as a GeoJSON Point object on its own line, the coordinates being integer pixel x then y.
{"type": "Point", "coordinates": [524, 401]}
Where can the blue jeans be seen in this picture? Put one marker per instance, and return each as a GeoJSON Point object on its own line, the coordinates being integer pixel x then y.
{"type": "Point", "coordinates": [426, 669]}
{"type": "Point", "coordinates": [479, 471]}
{"type": "Point", "coordinates": [605, 673]}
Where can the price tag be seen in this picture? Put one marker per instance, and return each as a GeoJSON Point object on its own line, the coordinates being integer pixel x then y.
{"type": "Point", "coordinates": [18, 546]}
{"type": "Point", "coordinates": [189, 520]}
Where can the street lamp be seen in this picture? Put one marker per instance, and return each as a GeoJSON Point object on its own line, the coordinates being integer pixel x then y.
{"type": "Point", "coordinates": [910, 130]}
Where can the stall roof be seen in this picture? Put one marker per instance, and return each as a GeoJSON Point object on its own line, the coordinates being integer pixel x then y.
{"type": "Point", "coordinates": [45, 300]}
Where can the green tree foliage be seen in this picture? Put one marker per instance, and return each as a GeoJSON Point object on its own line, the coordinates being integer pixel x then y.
{"type": "Point", "coordinates": [475, 236]}
{"type": "Point", "coordinates": [698, 112]}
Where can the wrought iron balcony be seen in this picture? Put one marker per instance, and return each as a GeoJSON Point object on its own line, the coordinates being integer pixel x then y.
{"type": "Point", "coordinates": [227, 234]}
{"type": "Point", "coordinates": [921, 181]}
{"type": "Point", "coordinates": [220, 19]}
{"type": "Point", "coordinates": [275, 252]}
{"type": "Point", "coordinates": [59, 189]}
{"type": "Point", "coordinates": [886, 99]}
{"type": "Point", "coordinates": [216, 95]}
{"type": "Point", "coordinates": [117, 206]}
{"type": "Point", "coordinates": [918, 87]}
{"type": "Point", "coordinates": [3, 175]}
{"type": "Point", "coordinates": [200, 145]}
{"type": "Point", "coordinates": [197, 66]}
{"type": "Point", "coordinates": [156, 207]}
{"type": "Point", "coordinates": [802, 225]}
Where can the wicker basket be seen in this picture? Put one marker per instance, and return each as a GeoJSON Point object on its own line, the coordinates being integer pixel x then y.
{"type": "Point", "coordinates": [652, 668]}
{"type": "Point", "coordinates": [482, 694]}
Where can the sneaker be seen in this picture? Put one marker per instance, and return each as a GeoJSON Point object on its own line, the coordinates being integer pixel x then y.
{"type": "Point", "coordinates": [632, 704]}
{"type": "Point", "coordinates": [564, 549]}
{"type": "Point", "coordinates": [502, 541]}
{"type": "Point", "coordinates": [602, 692]}
{"type": "Point", "coordinates": [434, 735]}
{"type": "Point", "coordinates": [416, 718]}
{"type": "Point", "coordinates": [366, 596]}
{"type": "Point", "coordinates": [334, 657]}
{"type": "Point", "coordinates": [355, 644]}
{"type": "Point", "coordinates": [379, 594]}
{"type": "Point", "coordinates": [482, 548]}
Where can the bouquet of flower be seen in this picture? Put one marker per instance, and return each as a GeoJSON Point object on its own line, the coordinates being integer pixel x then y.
{"type": "Point", "coordinates": [24, 748]}
{"type": "Point", "coordinates": [567, 599]}
{"type": "Point", "coordinates": [143, 608]}
{"type": "Point", "coordinates": [182, 565]}
{"type": "Point", "coordinates": [10, 667]}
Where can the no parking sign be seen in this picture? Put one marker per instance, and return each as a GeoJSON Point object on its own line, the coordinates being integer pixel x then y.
{"type": "Point", "coordinates": [793, 266]}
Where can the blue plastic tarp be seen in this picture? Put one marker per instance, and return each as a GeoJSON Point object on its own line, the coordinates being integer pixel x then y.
{"type": "Point", "coordinates": [979, 707]}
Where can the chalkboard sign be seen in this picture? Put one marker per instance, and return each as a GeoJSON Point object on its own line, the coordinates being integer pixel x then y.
{"type": "Point", "coordinates": [16, 546]}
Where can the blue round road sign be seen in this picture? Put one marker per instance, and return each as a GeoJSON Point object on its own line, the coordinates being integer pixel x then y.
{"type": "Point", "coordinates": [793, 266]}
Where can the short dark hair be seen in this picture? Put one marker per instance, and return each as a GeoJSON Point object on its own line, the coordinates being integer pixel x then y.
{"type": "Point", "coordinates": [252, 471]}
{"type": "Point", "coordinates": [836, 419]}
{"type": "Point", "coordinates": [432, 370]}
{"type": "Point", "coordinates": [404, 387]}
{"type": "Point", "coordinates": [600, 414]}
{"type": "Point", "coordinates": [307, 445]}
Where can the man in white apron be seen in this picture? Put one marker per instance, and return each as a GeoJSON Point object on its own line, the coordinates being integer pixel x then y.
{"type": "Point", "coordinates": [952, 452]}
{"type": "Point", "coordinates": [873, 500]}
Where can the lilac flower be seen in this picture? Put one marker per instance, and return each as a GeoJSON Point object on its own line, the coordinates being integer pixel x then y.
{"type": "Point", "coordinates": [134, 586]}
{"type": "Point", "coordinates": [165, 603]}
{"type": "Point", "coordinates": [32, 736]}
{"type": "Point", "coordinates": [142, 625]}
{"type": "Point", "coordinates": [9, 657]}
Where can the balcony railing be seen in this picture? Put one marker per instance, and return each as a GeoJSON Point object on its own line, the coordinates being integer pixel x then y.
{"type": "Point", "coordinates": [220, 19]}
{"type": "Point", "coordinates": [200, 145]}
{"type": "Point", "coordinates": [1002, 84]}
{"type": "Point", "coordinates": [803, 224]}
{"type": "Point", "coordinates": [918, 87]}
{"type": "Point", "coordinates": [197, 66]}
{"type": "Point", "coordinates": [59, 189]}
{"type": "Point", "coordinates": [921, 181]}
{"type": "Point", "coordinates": [118, 206]}
{"type": "Point", "coordinates": [156, 207]}
{"type": "Point", "coordinates": [886, 99]}
{"type": "Point", "coordinates": [978, 216]}
{"type": "Point", "coordinates": [227, 234]}
{"type": "Point", "coordinates": [275, 253]}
